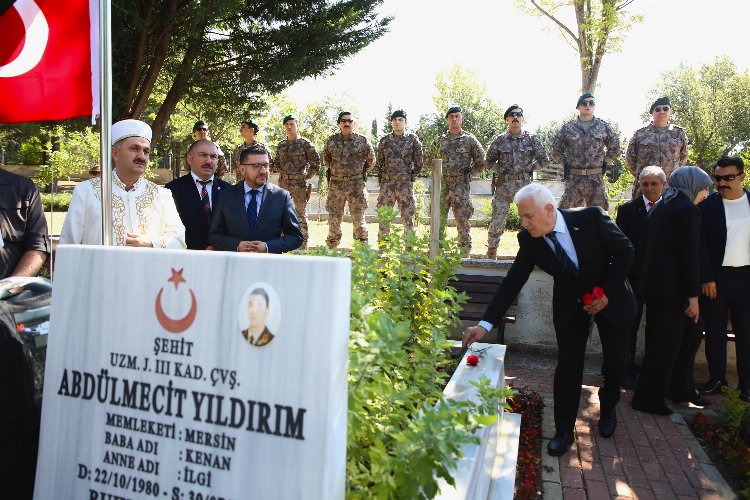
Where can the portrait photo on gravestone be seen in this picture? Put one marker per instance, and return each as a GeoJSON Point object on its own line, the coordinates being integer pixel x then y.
{"type": "Point", "coordinates": [259, 314]}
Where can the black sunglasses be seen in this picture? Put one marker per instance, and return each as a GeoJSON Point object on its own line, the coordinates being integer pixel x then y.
{"type": "Point", "coordinates": [587, 103]}
{"type": "Point", "coordinates": [202, 129]}
{"type": "Point", "coordinates": [346, 120]}
{"type": "Point", "coordinates": [661, 108]}
{"type": "Point", "coordinates": [727, 178]}
{"type": "Point", "coordinates": [515, 113]}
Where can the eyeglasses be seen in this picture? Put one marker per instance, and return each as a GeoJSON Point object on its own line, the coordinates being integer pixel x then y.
{"type": "Point", "coordinates": [727, 178]}
{"type": "Point", "coordinates": [256, 166]}
{"type": "Point", "coordinates": [587, 103]}
{"type": "Point", "coordinates": [515, 113]}
{"type": "Point", "coordinates": [659, 109]}
{"type": "Point", "coordinates": [346, 120]}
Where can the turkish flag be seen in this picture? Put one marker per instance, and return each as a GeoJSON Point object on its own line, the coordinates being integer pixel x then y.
{"type": "Point", "coordinates": [49, 60]}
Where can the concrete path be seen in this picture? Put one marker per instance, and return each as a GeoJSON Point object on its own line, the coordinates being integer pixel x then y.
{"type": "Point", "coordinates": [649, 456]}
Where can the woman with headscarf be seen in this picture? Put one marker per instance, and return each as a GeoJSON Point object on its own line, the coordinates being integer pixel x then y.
{"type": "Point", "coordinates": [670, 282]}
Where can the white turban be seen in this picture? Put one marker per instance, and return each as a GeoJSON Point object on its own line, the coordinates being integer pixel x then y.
{"type": "Point", "coordinates": [130, 128]}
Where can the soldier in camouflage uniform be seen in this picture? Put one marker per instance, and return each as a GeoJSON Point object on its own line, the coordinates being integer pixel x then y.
{"type": "Point", "coordinates": [512, 156]}
{"type": "Point", "coordinates": [349, 156]}
{"type": "Point", "coordinates": [462, 156]}
{"type": "Point", "coordinates": [248, 130]}
{"type": "Point", "coordinates": [297, 161]}
{"type": "Point", "coordinates": [659, 143]}
{"type": "Point", "coordinates": [399, 162]}
{"type": "Point", "coordinates": [585, 146]}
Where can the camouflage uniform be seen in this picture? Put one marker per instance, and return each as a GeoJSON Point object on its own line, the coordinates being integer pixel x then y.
{"type": "Point", "coordinates": [512, 159]}
{"type": "Point", "coordinates": [664, 147]}
{"type": "Point", "coordinates": [347, 158]}
{"type": "Point", "coordinates": [399, 162]}
{"type": "Point", "coordinates": [297, 161]}
{"type": "Point", "coordinates": [236, 156]}
{"type": "Point", "coordinates": [221, 168]}
{"type": "Point", "coordinates": [584, 151]}
{"type": "Point", "coordinates": [462, 155]}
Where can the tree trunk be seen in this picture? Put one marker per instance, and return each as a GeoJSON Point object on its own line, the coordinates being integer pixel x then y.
{"type": "Point", "coordinates": [135, 74]}
{"type": "Point", "coordinates": [178, 88]}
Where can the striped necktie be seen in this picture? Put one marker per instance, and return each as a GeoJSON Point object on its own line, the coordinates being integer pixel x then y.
{"type": "Point", "coordinates": [567, 264]}
{"type": "Point", "coordinates": [205, 200]}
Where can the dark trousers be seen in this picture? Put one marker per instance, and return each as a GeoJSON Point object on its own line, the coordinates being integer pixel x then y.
{"type": "Point", "coordinates": [672, 340]}
{"type": "Point", "coordinates": [571, 344]}
{"type": "Point", "coordinates": [732, 294]}
{"type": "Point", "coordinates": [639, 301]}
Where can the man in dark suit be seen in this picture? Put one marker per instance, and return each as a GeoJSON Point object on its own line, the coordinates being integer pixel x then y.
{"type": "Point", "coordinates": [630, 218]}
{"type": "Point", "coordinates": [725, 274]}
{"type": "Point", "coordinates": [254, 215]}
{"type": "Point", "coordinates": [581, 249]}
{"type": "Point", "coordinates": [197, 193]}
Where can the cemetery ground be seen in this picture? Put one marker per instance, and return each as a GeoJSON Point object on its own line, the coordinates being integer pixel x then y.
{"type": "Point", "coordinates": [648, 457]}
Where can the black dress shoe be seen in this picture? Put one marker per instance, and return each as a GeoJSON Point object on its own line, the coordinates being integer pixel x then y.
{"type": "Point", "coordinates": [607, 426]}
{"type": "Point", "coordinates": [714, 385]}
{"type": "Point", "coordinates": [560, 443]}
{"type": "Point", "coordinates": [745, 395]}
{"type": "Point", "coordinates": [654, 410]}
{"type": "Point", "coordinates": [695, 399]}
{"type": "Point", "coordinates": [628, 381]}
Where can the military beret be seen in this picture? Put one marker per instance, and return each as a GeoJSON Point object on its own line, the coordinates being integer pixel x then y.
{"type": "Point", "coordinates": [287, 118]}
{"type": "Point", "coordinates": [130, 128]}
{"type": "Point", "coordinates": [338, 120]}
{"type": "Point", "coordinates": [453, 109]}
{"type": "Point", "coordinates": [399, 113]}
{"type": "Point", "coordinates": [660, 101]}
{"type": "Point", "coordinates": [252, 125]}
{"type": "Point", "coordinates": [584, 96]}
{"type": "Point", "coordinates": [511, 108]}
{"type": "Point", "coordinates": [199, 123]}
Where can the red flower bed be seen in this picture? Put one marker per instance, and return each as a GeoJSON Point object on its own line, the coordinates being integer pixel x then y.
{"type": "Point", "coordinates": [529, 467]}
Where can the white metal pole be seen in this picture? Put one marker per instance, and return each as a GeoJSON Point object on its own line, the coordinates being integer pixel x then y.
{"type": "Point", "coordinates": [437, 175]}
{"type": "Point", "coordinates": [105, 118]}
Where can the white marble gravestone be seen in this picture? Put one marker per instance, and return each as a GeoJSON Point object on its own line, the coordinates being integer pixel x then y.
{"type": "Point", "coordinates": [173, 374]}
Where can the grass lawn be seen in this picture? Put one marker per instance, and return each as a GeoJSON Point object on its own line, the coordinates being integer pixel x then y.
{"type": "Point", "coordinates": [319, 231]}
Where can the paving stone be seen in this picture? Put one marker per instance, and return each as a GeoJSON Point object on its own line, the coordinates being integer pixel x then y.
{"type": "Point", "coordinates": [680, 484]}
{"type": "Point", "coordinates": [618, 486]}
{"type": "Point", "coordinates": [570, 477]}
{"type": "Point", "coordinates": [574, 494]}
{"type": "Point", "coordinates": [552, 491]}
{"type": "Point", "coordinates": [597, 490]}
{"type": "Point", "coordinates": [662, 490]}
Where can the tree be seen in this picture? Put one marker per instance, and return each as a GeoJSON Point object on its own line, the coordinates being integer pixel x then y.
{"type": "Point", "coordinates": [600, 27]}
{"type": "Point", "coordinates": [713, 104]}
{"type": "Point", "coordinates": [457, 86]}
{"type": "Point", "coordinates": [227, 53]}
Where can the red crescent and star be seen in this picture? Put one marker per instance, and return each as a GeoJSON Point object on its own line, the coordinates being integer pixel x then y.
{"type": "Point", "coordinates": [181, 324]}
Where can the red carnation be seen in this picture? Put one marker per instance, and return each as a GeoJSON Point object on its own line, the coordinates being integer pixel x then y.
{"type": "Point", "coordinates": [472, 360]}
{"type": "Point", "coordinates": [588, 299]}
{"type": "Point", "coordinates": [20, 327]}
{"type": "Point", "coordinates": [597, 292]}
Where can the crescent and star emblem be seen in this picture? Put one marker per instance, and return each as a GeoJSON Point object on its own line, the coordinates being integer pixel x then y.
{"type": "Point", "coordinates": [37, 34]}
{"type": "Point", "coordinates": [181, 324]}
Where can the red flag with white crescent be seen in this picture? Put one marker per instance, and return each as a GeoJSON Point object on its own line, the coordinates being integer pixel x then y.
{"type": "Point", "coordinates": [49, 60]}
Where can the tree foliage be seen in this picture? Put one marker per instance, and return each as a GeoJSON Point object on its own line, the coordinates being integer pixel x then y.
{"type": "Point", "coordinates": [713, 104]}
{"type": "Point", "coordinates": [226, 54]}
{"type": "Point", "coordinates": [457, 86]}
{"type": "Point", "coordinates": [600, 27]}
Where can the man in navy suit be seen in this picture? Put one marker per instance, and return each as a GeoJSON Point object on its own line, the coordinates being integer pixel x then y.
{"type": "Point", "coordinates": [725, 274]}
{"type": "Point", "coordinates": [197, 193]}
{"type": "Point", "coordinates": [581, 249]}
{"type": "Point", "coordinates": [630, 218]}
{"type": "Point", "coordinates": [255, 215]}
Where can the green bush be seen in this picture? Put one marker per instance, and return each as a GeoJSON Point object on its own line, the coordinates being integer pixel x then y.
{"type": "Point", "coordinates": [59, 202]}
{"type": "Point", "coordinates": [512, 223]}
{"type": "Point", "coordinates": [402, 432]}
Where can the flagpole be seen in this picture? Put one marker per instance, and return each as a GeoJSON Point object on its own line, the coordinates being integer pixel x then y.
{"type": "Point", "coordinates": [105, 118]}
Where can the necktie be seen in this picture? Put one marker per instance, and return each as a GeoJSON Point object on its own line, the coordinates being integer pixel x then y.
{"type": "Point", "coordinates": [205, 201]}
{"type": "Point", "coordinates": [252, 210]}
{"type": "Point", "coordinates": [567, 264]}
{"type": "Point", "coordinates": [651, 204]}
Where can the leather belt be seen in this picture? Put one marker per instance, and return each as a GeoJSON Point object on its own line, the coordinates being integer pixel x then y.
{"type": "Point", "coordinates": [586, 171]}
{"type": "Point", "coordinates": [736, 270]}
{"type": "Point", "coordinates": [397, 177]}
{"type": "Point", "coordinates": [514, 177]}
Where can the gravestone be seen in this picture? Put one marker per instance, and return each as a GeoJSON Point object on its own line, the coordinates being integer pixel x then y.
{"type": "Point", "coordinates": [174, 374]}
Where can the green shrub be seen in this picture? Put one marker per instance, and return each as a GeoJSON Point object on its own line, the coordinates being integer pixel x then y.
{"type": "Point", "coordinates": [512, 223]}
{"type": "Point", "coordinates": [59, 202]}
{"type": "Point", "coordinates": [402, 432]}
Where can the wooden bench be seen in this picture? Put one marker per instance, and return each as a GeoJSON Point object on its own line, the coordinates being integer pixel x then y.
{"type": "Point", "coordinates": [480, 290]}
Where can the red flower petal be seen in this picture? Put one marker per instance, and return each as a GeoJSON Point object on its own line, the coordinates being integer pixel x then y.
{"type": "Point", "coordinates": [597, 292]}
{"type": "Point", "coordinates": [588, 299]}
{"type": "Point", "coordinates": [472, 360]}
{"type": "Point", "coordinates": [20, 327]}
